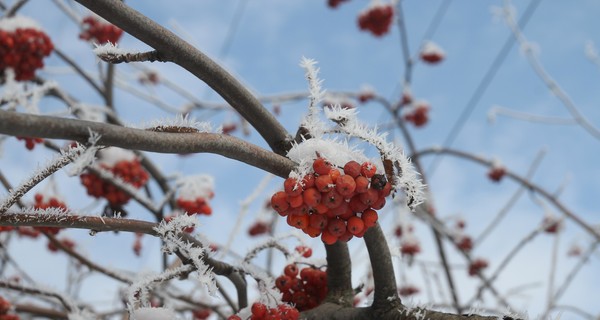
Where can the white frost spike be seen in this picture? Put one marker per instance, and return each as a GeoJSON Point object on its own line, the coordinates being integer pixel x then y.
{"type": "Point", "coordinates": [338, 114]}
{"type": "Point", "coordinates": [154, 314]}
{"type": "Point", "coordinates": [18, 22]}
{"type": "Point", "coordinates": [111, 49]}
{"type": "Point", "coordinates": [28, 96]}
{"type": "Point", "coordinates": [86, 156]}
{"type": "Point", "coordinates": [311, 121]}
{"type": "Point", "coordinates": [196, 186]}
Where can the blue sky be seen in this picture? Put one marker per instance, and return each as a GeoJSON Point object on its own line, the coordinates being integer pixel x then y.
{"type": "Point", "coordinates": [265, 51]}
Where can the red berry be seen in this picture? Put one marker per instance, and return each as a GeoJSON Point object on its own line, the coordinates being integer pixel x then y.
{"type": "Point", "coordinates": [291, 270]}
{"type": "Point", "coordinates": [321, 166]}
{"type": "Point", "coordinates": [292, 187]}
{"type": "Point", "coordinates": [369, 217]}
{"type": "Point", "coordinates": [279, 201]}
{"type": "Point", "coordinates": [352, 168]}
{"type": "Point", "coordinates": [355, 225]}
{"type": "Point", "coordinates": [258, 309]}
{"type": "Point", "coordinates": [305, 251]}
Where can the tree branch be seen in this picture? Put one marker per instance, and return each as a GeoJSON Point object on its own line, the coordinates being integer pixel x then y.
{"type": "Point", "coordinates": [29, 125]}
{"type": "Point", "coordinates": [172, 48]}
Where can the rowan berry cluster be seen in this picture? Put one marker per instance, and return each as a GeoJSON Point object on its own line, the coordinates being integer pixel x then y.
{"type": "Point", "coordinates": [42, 202]}
{"type": "Point", "coordinates": [5, 306]}
{"type": "Point", "coordinates": [332, 204]}
{"type": "Point", "coordinates": [465, 243]}
{"type": "Point", "coordinates": [418, 114]}
{"type": "Point", "coordinates": [431, 53]}
{"type": "Point", "coordinates": [65, 242]}
{"type": "Point", "coordinates": [335, 3]}
{"type": "Point", "coordinates": [130, 171]}
{"type": "Point", "coordinates": [195, 206]}
{"type": "Point", "coordinates": [408, 290]}
{"type": "Point", "coordinates": [22, 50]}
{"type": "Point", "coordinates": [496, 173]}
{"type": "Point", "coordinates": [477, 265]}
{"type": "Point", "coordinates": [261, 312]}
{"type": "Point", "coordinates": [99, 32]}
{"type": "Point", "coordinates": [30, 142]}
{"type": "Point", "coordinates": [376, 19]}
{"type": "Point", "coordinates": [306, 288]}
{"type": "Point", "coordinates": [258, 228]}
{"type": "Point", "coordinates": [201, 314]}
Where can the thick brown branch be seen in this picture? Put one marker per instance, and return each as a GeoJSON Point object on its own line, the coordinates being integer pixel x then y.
{"type": "Point", "coordinates": [172, 48]}
{"type": "Point", "coordinates": [18, 124]}
{"type": "Point", "coordinates": [339, 274]}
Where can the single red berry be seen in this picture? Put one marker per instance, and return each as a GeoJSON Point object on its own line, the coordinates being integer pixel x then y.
{"type": "Point", "coordinates": [352, 168]}
{"type": "Point", "coordinates": [321, 166]}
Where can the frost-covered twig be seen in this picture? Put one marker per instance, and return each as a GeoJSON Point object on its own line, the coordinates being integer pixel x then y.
{"type": "Point", "coordinates": [53, 165]}
{"type": "Point", "coordinates": [528, 184]}
{"type": "Point", "coordinates": [137, 292]}
{"type": "Point", "coordinates": [67, 303]}
{"type": "Point", "coordinates": [585, 257]}
{"type": "Point", "coordinates": [498, 110]}
{"type": "Point", "coordinates": [544, 76]}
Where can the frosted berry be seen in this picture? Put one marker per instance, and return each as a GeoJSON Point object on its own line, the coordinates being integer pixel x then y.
{"type": "Point", "coordinates": [46, 202]}
{"type": "Point", "coordinates": [418, 114]}
{"type": "Point", "coordinates": [304, 251]}
{"type": "Point", "coordinates": [376, 19]}
{"type": "Point", "coordinates": [201, 314]}
{"type": "Point", "coordinates": [335, 3]}
{"type": "Point", "coordinates": [431, 53]}
{"type": "Point", "coordinates": [496, 173]}
{"type": "Point", "coordinates": [258, 228]}
{"type": "Point", "coordinates": [477, 265]}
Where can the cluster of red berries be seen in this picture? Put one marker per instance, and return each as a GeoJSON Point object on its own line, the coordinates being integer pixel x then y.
{"type": "Point", "coordinates": [23, 50]}
{"type": "Point", "coordinates": [410, 247]}
{"type": "Point", "coordinates": [304, 251]}
{"type": "Point", "coordinates": [5, 306]}
{"type": "Point", "coordinates": [70, 244]}
{"type": "Point", "coordinates": [42, 202]}
{"type": "Point", "coordinates": [551, 224]}
{"type": "Point", "coordinates": [333, 205]}
{"type": "Point", "coordinates": [195, 206]}
{"type": "Point", "coordinates": [201, 314]}
{"type": "Point", "coordinates": [261, 312]}
{"type": "Point", "coordinates": [496, 173]}
{"type": "Point", "coordinates": [335, 3]}
{"type": "Point", "coordinates": [30, 142]}
{"type": "Point", "coordinates": [477, 265]}
{"type": "Point", "coordinates": [376, 19]}
{"type": "Point", "coordinates": [305, 288]}
{"type": "Point", "coordinates": [431, 53]}
{"type": "Point", "coordinates": [418, 115]}
{"type": "Point", "coordinates": [408, 290]}
{"type": "Point", "coordinates": [130, 171]}
{"type": "Point", "coordinates": [258, 228]}
{"type": "Point", "coordinates": [464, 243]}
{"type": "Point", "coordinates": [99, 32]}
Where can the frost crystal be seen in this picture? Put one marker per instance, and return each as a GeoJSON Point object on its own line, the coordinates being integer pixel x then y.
{"type": "Point", "coordinates": [111, 49]}
{"type": "Point", "coordinates": [170, 233]}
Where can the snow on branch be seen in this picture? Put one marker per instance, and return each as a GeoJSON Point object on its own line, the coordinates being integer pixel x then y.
{"type": "Point", "coordinates": [170, 233]}
{"type": "Point", "coordinates": [111, 53]}
{"type": "Point", "coordinates": [311, 121]}
{"type": "Point", "coordinates": [137, 292]}
{"type": "Point", "coordinates": [39, 175]}
{"type": "Point", "coordinates": [28, 95]}
{"type": "Point", "coordinates": [180, 124]}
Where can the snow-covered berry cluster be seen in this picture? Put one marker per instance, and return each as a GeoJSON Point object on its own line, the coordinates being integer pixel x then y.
{"type": "Point", "coordinates": [377, 19]}
{"type": "Point", "coordinates": [431, 53]}
{"type": "Point", "coordinates": [194, 193]}
{"type": "Point", "coordinates": [334, 204]}
{"type": "Point", "coordinates": [23, 46]}
{"type": "Point", "coordinates": [417, 113]}
{"type": "Point", "coordinates": [30, 142]}
{"type": "Point", "coordinates": [99, 31]}
{"type": "Point", "coordinates": [122, 164]}
{"type": "Point", "coordinates": [305, 289]}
